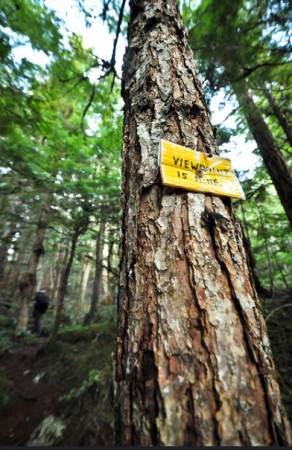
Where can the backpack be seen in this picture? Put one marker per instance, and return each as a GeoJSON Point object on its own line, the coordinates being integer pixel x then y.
{"type": "Point", "coordinates": [41, 301]}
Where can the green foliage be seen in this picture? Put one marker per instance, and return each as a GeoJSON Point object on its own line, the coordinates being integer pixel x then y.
{"type": "Point", "coordinates": [90, 399]}
{"type": "Point", "coordinates": [5, 387]}
{"type": "Point", "coordinates": [280, 335]}
{"type": "Point", "coordinates": [75, 333]}
{"type": "Point", "coordinates": [232, 39]}
{"type": "Point", "coordinates": [245, 41]}
{"type": "Point", "coordinates": [6, 340]}
{"type": "Point", "coordinates": [32, 21]}
{"type": "Point", "coordinates": [248, 41]}
{"type": "Point", "coordinates": [111, 16]}
{"type": "Point", "coordinates": [6, 321]}
{"type": "Point", "coordinates": [91, 381]}
{"type": "Point", "coordinates": [265, 223]}
{"type": "Point", "coordinates": [77, 367]}
{"type": "Point", "coordinates": [223, 135]}
{"type": "Point", "coordinates": [60, 136]}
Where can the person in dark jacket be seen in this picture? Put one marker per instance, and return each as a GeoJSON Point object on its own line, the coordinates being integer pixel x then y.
{"type": "Point", "coordinates": [41, 303]}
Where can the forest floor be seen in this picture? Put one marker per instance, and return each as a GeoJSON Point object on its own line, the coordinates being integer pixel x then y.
{"type": "Point", "coordinates": [68, 381]}
{"type": "Point", "coordinates": [31, 399]}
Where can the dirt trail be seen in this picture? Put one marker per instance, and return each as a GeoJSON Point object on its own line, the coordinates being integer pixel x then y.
{"type": "Point", "coordinates": [31, 397]}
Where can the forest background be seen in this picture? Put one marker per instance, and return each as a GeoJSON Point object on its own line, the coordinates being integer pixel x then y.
{"type": "Point", "coordinates": [60, 167]}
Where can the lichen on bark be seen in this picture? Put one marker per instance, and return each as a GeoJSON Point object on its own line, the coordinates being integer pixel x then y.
{"type": "Point", "coordinates": [193, 360]}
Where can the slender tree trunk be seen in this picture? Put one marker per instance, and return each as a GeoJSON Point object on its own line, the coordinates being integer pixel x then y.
{"type": "Point", "coordinates": [244, 222]}
{"type": "Point", "coordinates": [63, 285]}
{"type": "Point", "coordinates": [7, 231]}
{"type": "Point", "coordinates": [84, 281]}
{"type": "Point", "coordinates": [264, 234]}
{"type": "Point", "coordinates": [106, 298]}
{"type": "Point", "coordinates": [29, 278]}
{"type": "Point", "coordinates": [251, 259]}
{"type": "Point", "coordinates": [252, 267]}
{"type": "Point", "coordinates": [112, 273]}
{"type": "Point", "coordinates": [18, 266]}
{"type": "Point", "coordinates": [4, 247]}
{"type": "Point", "coordinates": [194, 365]}
{"type": "Point", "coordinates": [81, 226]}
{"type": "Point", "coordinates": [280, 268]}
{"type": "Point", "coordinates": [63, 254]}
{"type": "Point", "coordinates": [46, 275]}
{"type": "Point", "coordinates": [275, 163]}
{"type": "Point", "coordinates": [97, 285]}
{"type": "Point", "coordinates": [283, 122]}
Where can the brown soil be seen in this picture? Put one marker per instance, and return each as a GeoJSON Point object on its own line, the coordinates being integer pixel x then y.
{"type": "Point", "coordinates": [32, 398]}
{"type": "Point", "coordinates": [70, 378]}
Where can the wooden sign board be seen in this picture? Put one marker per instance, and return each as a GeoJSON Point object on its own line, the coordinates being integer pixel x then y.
{"type": "Point", "coordinates": [185, 168]}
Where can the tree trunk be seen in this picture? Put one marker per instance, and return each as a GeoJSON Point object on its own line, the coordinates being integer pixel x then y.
{"type": "Point", "coordinates": [249, 252]}
{"type": "Point", "coordinates": [63, 285]}
{"type": "Point", "coordinates": [194, 365]}
{"type": "Point", "coordinates": [84, 282]}
{"type": "Point", "coordinates": [81, 226]}
{"type": "Point", "coordinates": [97, 285]}
{"type": "Point", "coordinates": [13, 275]}
{"type": "Point", "coordinates": [46, 274]}
{"type": "Point", "coordinates": [5, 243]}
{"type": "Point", "coordinates": [267, 249]}
{"type": "Point", "coordinates": [252, 267]}
{"type": "Point", "coordinates": [7, 231]}
{"type": "Point", "coordinates": [62, 255]}
{"type": "Point", "coordinates": [275, 163]}
{"type": "Point", "coordinates": [29, 278]}
{"type": "Point", "coordinates": [112, 273]}
{"type": "Point", "coordinates": [283, 122]}
{"type": "Point", "coordinates": [106, 298]}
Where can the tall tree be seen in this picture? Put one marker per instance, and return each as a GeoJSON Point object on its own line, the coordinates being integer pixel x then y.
{"type": "Point", "coordinates": [240, 52]}
{"type": "Point", "coordinates": [274, 161]}
{"type": "Point", "coordinates": [80, 227]}
{"type": "Point", "coordinates": [283, 121]}
{"type": "Point", "coordinates": [194, 365]}
{"type": "Point", "coordinates": [28, 279]}
{"type": "Point", "coordinates": [97, 284]}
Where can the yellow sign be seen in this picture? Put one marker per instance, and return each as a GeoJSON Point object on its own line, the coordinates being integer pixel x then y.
{"type": "Point", "coordinates": [195, 171]}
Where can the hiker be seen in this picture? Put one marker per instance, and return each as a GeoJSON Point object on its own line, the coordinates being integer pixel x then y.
{"type": "Point", "coordinates": [41, 303]}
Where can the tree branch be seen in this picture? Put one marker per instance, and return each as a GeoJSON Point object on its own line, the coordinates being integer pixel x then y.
{"type": "Point", "coordinates": [113, 58]}
{"type": "Point", "coordinates": [105, 10]}
{"type": "Point", "coordinates": [104, 267]}
{"type": "Point", "coordinates": [249, 70]}
{"type": "Point", "coordinates": [277, 309]}
{"type": "Point", "coordinates": [88, 106]}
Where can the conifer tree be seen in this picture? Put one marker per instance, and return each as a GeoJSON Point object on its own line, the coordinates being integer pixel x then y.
{"type": "Point", "coordinates": [194, 365]}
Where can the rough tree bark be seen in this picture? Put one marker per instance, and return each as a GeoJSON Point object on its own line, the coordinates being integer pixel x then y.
{"type": "Point", "coordinates": [274, 161]}
{"type": "Point", "coordinates": [194, 365]}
